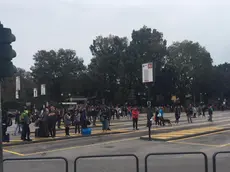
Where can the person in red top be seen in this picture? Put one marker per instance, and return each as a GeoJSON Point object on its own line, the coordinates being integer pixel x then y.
{"type": "Point", "coordinates": [135, 114]}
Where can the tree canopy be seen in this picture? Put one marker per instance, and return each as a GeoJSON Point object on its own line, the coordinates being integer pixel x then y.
{"type": "Point", "coordinates": [115, 70]}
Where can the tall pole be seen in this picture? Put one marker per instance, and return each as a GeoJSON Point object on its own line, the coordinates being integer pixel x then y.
{"type": "Point", "coordinates": [149, 115]}
{"type": "Point", "coordinates": [1, 151]}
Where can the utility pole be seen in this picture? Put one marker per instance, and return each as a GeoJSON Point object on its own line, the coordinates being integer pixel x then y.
{"type": "Point", "coordinates": [148, 77]}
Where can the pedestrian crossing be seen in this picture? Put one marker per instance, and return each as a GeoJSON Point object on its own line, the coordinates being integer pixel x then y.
{"type": "Point", "coordinates": [183, 133]}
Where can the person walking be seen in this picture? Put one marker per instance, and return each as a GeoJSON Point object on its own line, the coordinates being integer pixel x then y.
{"type": "Point", "coordinates": [135, 115]}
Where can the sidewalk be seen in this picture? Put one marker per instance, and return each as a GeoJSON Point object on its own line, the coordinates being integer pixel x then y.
{"type": "Point", "coordinates": [16, 140]}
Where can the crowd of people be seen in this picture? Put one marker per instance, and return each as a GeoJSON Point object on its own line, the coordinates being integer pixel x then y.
{"type": "Point", "coordinates": [47, 119]}
{"type": "Point", "coordinates": [81, 117]}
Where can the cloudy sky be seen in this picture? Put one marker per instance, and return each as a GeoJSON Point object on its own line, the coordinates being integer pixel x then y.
{"type": "Point", "coordinates": [53, 24]}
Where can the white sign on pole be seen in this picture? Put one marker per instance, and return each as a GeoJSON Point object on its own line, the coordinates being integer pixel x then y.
{"type": "Point", "coordinates": [147, 72]}
{"type": "Point", "coordinates": [35, 92]}
{"type": "Point", "coordinates": [43, 89]}
{"type": "Point", "coordinates": [17, 94]}
{"type": "Point", "coordinates": [18, 83]}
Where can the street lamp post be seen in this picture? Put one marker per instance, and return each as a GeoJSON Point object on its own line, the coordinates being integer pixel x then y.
{"type": "Point", "coordinates": [148, 77]}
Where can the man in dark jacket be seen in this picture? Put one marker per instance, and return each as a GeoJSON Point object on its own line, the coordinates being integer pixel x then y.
{"type": "Point", "coordinates": [52, 119]}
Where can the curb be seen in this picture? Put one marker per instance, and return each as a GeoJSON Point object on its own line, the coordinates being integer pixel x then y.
{"type": "Point", "coordinates": [183, 137]}
{"type": "Point", "coordinates": [60, 138]}
{"type": "Point", "coordinates": [72, 128]}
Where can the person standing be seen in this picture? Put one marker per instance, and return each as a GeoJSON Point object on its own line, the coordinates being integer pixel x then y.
{"type": "Point", "coordinates": [18, 123]}
{"type": "Point", "coordinates": [177, 114]}
{"type": "Point", "coordinates": [4, 123]}
{"type": "Point", "coordinates": [189, 113]}
{"type": "Point", "coordinates": [161, 116]}
{"type": "Point", "coordinates": [194, 111]}
{"type": "Point", "coordinates": [25, 120]}
{"type": "Point", "coordinates": [67, 123]}
{"type": "Point", "coordinates": [210, 112]}
{"type": "Point", "coordinates": [104, 119]}
{"type": "Point", "coordinates": [59, 117]}
{"type": "Point", "coordinates": [44, 130]}
{"type": "Point", "coordinates": [135, 115]}
{"type": "Point", "coordinates": [52, 119]}
{"type": "Point", "coordinates": [77, 118]}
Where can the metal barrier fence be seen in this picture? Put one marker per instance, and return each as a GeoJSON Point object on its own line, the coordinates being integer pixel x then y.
{"type": "Point", "coordinates": [178, 153]}
{"type": "Point", "coordinates": [107, 156]}
{"type": "Point", "coordinates": [37, 159]}
{"type": "Point", "coordinates": [214, 157]}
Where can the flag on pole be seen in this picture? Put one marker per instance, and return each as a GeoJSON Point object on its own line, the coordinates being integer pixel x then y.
{"type": "Point", "coordinates": [43, 89]}
{"type": "Point", "coordinates": [18, 83]}
{"type": "Point", "coordinates": [35, 92]}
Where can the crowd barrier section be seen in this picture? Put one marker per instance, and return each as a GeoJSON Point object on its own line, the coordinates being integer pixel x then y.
{"type": "Point", "coordinates": [107, 156]}
{"type": "Point", "coordinates": [214, 157]}
{"type": "Point", "coordinates": [177, 153]}
{"type": "Point", "coordinates": [40, 159]}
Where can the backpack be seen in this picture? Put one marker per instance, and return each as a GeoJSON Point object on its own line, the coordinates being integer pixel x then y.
{"type": "Point", "coordinates": [210, 110]}
{"type": "Point", "coordinates": [102, 118]}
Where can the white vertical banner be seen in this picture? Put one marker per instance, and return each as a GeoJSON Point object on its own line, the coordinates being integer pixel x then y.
{"type": "Point", "coordinates": [18, 83]}
{"type": "Point", "coordinates": [35, 92]}
{"type": "Point", "coordinates": [43, 89]}
{"type": "Point", "coordinates": [147, 72]}
{"type": "Point", "coordinates": [17, 94]}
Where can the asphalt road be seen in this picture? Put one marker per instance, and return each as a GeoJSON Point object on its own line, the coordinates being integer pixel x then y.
{"type": "Point", "coordinates": [124, 144]}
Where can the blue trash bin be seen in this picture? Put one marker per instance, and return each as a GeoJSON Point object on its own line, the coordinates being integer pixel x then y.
{"type": "Point", "coordinates": [86, 131]}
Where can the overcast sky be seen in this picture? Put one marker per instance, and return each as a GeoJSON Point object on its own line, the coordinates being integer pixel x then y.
{"type": "Point", "coordinates": [53, 24]}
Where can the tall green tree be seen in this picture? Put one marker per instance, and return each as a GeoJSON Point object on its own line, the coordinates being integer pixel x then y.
{"type": "Point", "coordinates": [192, 65]}
{"type": "Point", "coordinates": [221, 82]}
{"type": "Point", "coordinates": [147, 45]}
{"type": "Point", "coordinates": [59, 70]}
{"type": "Point", "coordinates": [107, 65]}
{"type": "Point", "coordinates": [26, 83]}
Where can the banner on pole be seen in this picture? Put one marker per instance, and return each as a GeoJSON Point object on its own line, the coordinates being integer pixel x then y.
{"type": "Point", "coordinates": [18, 83]}
{"type": "Point", "coordinates": [35, 92]}
{"type": "Point", "coordinates": [147, 72]}
{"type": "Point", "coordinates": [43, 89]}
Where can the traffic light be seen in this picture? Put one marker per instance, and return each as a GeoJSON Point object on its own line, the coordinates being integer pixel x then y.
{"type": "Point", "coordinates": [7, 69]}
